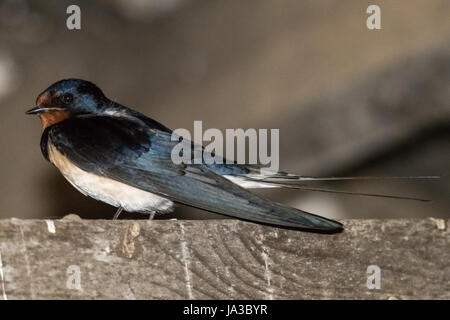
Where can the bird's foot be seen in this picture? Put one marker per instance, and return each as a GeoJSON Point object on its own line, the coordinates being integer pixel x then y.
{"type": "Point", "coordinates": [117, 214]}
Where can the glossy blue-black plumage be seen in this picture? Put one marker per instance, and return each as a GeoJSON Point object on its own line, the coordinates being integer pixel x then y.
{"type": "Point", "coordinates": [132, 153]}
{"type": "Point", "coordinates": [118, 143]}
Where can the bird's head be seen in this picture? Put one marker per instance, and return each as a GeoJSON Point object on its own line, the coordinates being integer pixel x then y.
{"type": "Point", "coordinates": [68, 98]}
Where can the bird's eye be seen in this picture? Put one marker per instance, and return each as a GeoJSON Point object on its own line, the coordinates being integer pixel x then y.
{"type": "Point", "coordinates": [67, 98]}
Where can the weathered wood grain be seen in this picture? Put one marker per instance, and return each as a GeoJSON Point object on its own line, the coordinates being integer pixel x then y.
{"type": "Point", "coordinates": [222, 259]}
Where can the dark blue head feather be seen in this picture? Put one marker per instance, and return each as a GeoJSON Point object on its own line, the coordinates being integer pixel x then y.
{"type": "Point", "coordinates": [76, 95]}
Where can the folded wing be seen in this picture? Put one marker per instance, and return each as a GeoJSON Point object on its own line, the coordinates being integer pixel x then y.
{"type": "Point", "coordinates": [131, 152]}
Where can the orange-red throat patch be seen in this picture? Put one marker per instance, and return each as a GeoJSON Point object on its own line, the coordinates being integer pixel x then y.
{"type": "Point", "coordinates": [49, 118]}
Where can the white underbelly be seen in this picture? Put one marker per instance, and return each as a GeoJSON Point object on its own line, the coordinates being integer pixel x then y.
{"type": "Point", "coordinates": [107, 190]}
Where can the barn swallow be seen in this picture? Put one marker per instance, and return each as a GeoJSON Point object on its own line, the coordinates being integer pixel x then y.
{"type": "Point", "coordinates": [119, 156]}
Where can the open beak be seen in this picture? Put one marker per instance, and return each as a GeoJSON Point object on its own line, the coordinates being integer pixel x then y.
{"type": "Point", "coordinates": [40, 109]}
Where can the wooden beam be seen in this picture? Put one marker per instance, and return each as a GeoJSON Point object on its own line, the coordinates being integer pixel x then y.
{"type": "Point", "coordinates": [221, 259]}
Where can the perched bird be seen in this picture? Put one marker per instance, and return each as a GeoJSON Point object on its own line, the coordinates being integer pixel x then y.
{"type": "Point", "coordinates": [119, 156]}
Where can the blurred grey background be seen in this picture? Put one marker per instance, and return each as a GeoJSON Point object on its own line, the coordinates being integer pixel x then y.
{"type": "Point", "coordinates": [347, 100]}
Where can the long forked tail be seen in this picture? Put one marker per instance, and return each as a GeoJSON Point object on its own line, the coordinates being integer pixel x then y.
{"type": "Point", "coordinates": [260, 179]}
{"type": "Point", "coordinates": [305, 178]}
